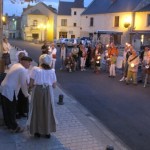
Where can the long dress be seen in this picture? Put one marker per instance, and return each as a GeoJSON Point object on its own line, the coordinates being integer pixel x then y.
{"type": "Point", "coordinates": [42, 118]}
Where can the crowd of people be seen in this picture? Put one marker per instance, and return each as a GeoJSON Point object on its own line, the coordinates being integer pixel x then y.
{"type": "Point", "coordinates": [29, 91]}
{"type": "Point", "coordinates": [84, 56]}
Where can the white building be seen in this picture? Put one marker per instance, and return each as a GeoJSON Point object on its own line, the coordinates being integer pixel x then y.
{"type": "Point", "coordinates": [69, 19]}
{"type": "Point", "coordinates": [39, 22]}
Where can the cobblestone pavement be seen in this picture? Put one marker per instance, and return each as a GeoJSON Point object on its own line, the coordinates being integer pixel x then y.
{"type": "Point", "coordinates": [77, 129]}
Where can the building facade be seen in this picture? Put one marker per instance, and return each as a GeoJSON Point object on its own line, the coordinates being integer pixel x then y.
{"type": "Point", "coordinates": [12, 27]}
{"type": "Point", "coordinates": [117, 21]}
{"type": "Point", "coordinates": [69, 19]}
{"type": "Point", "coordinates": [39, 23]}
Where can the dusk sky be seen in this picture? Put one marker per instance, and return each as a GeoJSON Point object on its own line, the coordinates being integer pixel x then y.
{"type": "Point", "coordinates": [16, 8]}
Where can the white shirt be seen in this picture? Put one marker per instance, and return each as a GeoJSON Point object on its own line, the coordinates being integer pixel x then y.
{"type": "Point", "coordinates": [63, 52]}
{"type": "Point", "coordinates": [52, 52]}
{"type": "Point", "coordinates": [15, 79]}
{"type": "Point", "coordinates": [6, 47]}
{"type": "Point", "coordinates": [43, 77]}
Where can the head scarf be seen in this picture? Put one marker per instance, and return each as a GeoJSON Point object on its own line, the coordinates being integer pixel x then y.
{"type": "Point", "coordinates": [45, 59]}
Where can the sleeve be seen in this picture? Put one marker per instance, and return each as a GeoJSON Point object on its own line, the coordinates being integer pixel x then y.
{"type": "Point", "coordinates": [54, 76]}
{"type": "Point", "coordinates": [33, 73]}
{"type": "Point", "coordinates": [23, 82]}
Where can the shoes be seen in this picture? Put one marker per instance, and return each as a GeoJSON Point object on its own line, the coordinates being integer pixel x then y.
{"type": "Point", "coordinates": [122, 79]}
{"type": "Point", "coordinates": [18, 116]}
{"type": "Point", "coordinates": [48, 136]}
{"type": "Point", "coordinates": [17, 130]}
{"type": "Point", "coordinates": [37, 135]}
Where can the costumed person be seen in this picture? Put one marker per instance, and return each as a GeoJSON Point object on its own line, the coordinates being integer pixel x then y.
{"type": "Point", "coordinates": [133, 63]}
{"type": "Point", "coordinates": [83, 57]}
{"type": "Point", "coordinates": [113, 50]}
{"type": "Point", "coordinates": [127, 52]}
{"type": "Point", "coordinates": [75, 55]}
{"type": "Point", "coordinates": [22, 102]}
{"type": "Point", "coordinates": [52, 52]}
{"type": "Point", "coordinates": [146, 68]}
{"type": "Point", "coordinates": [97, 58]}
{"type": "Point", "coordinates": [69, 63]}
{"type": "Point", "coordinates": [44, 48]}
{"type": "Point", "coordinates": [112, 69]}
{"type": "Point", "coordinates": [63, 53]}
{"type": "Point", "coordinates": [15, 79]}
{"type": "Point", "coordinates": [6, 53]}
{"type": "Point", "coordinates": [42, 120]}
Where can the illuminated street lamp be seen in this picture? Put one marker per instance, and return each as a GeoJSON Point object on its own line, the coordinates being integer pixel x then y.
{"type": "Point", "coordinates": [42, 28]}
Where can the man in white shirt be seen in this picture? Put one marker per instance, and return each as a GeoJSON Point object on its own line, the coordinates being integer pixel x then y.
{"type": "Point", "coordinates": [52, 52]}
{"type": "Point", "coordinates": [15, 79]}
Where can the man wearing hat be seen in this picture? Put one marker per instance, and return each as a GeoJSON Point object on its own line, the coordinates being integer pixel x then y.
{"type": "Point", "coordinates": [15, 79]}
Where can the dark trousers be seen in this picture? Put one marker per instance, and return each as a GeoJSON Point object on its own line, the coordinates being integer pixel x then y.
{"type": "Point", "coordinates": [22, 103]}
{"type": "Point", "coordinates": [9, 112]}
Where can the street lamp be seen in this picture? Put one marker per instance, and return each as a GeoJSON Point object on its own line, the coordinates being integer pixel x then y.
{"type": "Point", "coordinates": [42, 28]}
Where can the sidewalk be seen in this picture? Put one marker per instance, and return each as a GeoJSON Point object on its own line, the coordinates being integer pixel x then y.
{"type": "Point", "coordinates": [77, 129]}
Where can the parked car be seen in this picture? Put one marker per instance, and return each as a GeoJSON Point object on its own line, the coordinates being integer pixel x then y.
{"type": "Point", "coordinates": [61, 41]}
{"type": "Point", "coordinates": [70, 42]}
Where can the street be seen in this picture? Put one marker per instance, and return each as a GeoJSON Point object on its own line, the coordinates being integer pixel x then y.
{"type": "Point", "coordinates": [123, 109]}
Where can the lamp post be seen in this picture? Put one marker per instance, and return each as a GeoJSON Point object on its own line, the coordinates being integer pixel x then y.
{"type": "Point", "coordinates": [42, 28]}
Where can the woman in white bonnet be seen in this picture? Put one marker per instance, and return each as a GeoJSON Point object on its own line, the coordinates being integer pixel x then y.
{"type": "Point", "coordinates": [42, 120]}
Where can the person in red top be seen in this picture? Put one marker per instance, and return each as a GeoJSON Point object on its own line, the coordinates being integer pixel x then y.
{"type": "Point", "coordinates": [112, 50]}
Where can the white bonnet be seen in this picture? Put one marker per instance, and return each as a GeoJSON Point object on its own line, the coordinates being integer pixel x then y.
{"type": "Point", "coordinates": [19, 52]}
{"type": "Point", "coordinates": [45, 59]}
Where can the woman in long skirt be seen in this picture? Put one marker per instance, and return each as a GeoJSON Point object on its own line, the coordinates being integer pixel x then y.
{"type": "Point", "coordinates": [42, 120]}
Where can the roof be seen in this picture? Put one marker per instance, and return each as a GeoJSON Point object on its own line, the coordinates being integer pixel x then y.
{"type": "Point", "coordinates": [111, 6]}
{"type": "Point", "coordinates": [36, 12]}
{"type": "Point", "coordinates": [64, 8]}
{"type": "Point", "coordinates": [146, 8]}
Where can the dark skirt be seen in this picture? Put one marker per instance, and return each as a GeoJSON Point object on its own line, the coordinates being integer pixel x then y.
{"type": "Point", "coordinates": [6, 58]}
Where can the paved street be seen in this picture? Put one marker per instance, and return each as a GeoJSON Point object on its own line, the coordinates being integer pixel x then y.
{"type": "Point", "coordinates": [123, 109]}
{"type": "Point", "coordinates": [77, 130]}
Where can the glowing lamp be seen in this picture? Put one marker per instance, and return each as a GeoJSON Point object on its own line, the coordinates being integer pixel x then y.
{"type": "Point", "coordinates": [107, 45]}
{"type": "Point", "coordinates": [147, 66]}
{"type": "Point", "coordinates": [132, 65]}
{"type": "Point", "coordinates": [98, 57]}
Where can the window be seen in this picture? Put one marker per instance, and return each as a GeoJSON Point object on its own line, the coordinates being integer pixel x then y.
{"type": "Point", "coordinates": [35, 22]}
{"type": "Point", "coordinates": [75, 13]}
{"type": "Point", "coordinates": [116, 23]}
{"type": "Point", "coordinates": [148, 20]}
{"type": "Point", "coordinates": [91, 21]}
{"type": "Point", "coordinates": [74, 24]}
{"type": "Point", "coordinates": [63, 22]}
{"type": "Point", "coordinates": [63, 34]}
